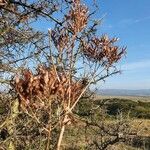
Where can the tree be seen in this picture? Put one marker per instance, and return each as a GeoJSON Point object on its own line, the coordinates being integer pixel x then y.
{"type": "Point", "coordinates": [104, 133]}
{"type": "Point", "coordinates": [73, 59]}
{"type": "Point", "coordinates": [19, 40]}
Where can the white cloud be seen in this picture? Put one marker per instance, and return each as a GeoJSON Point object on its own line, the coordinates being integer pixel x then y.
{"type": "Point", "coordinates": [136, 65]}
{"type": "Point", "coordinates": [126, 21]}
{"type": "Point", "coordinates": [142, 19]}
{"type": "Point", "coordinates": [130, 21]}
{"type": "Point", "coordinates": [109, 26]}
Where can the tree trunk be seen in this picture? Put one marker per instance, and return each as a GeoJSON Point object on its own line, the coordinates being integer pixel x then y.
{"type": "Point", "coordinates": [62, 132]}
{"type": "Point", "coordinates": [11, 123]}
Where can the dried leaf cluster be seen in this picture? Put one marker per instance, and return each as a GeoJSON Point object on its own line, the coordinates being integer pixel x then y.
{"type": "Point", "coordinates": [3, 2]}
{"type": "Point", "coordinates": [77, 17]}
{"type": "Point", "coordinates": [60, 39]}
{"type": "Point", "coordinates": [102, 50]}
{"type": "Point", "coordinates": [74, 22]}
{"type": "Point", "coordinates": [35, 89]}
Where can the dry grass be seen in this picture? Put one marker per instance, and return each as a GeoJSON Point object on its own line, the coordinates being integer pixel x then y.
{"type": "Point", "coordinates": [76, 137]}
{"type": "Point", "coordinates": [143, 125]}
{"type": "Point", "coordinates": [122, 146]}
{"type": "Point", "coordinates": [133, 98]}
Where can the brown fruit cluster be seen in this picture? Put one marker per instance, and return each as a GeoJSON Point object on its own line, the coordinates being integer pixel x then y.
{"type": "Point", "coordinates": [35, 89]}
{"type": "Point", "coordinates": [102, 50]}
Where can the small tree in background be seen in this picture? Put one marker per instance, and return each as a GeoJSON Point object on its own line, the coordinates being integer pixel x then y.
{"type": "Point", "coordinates": [76, 59]}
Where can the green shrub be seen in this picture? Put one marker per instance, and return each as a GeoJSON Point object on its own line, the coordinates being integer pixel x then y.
{"type": "Point", "coordinates": [135, 109]}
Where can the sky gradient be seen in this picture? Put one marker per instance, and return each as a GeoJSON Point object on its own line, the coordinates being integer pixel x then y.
{"type": "Point", "coordinates": [130, 21]}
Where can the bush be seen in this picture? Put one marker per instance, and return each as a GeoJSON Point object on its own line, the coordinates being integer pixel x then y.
{"type": "Point", "coordinates": [135, 109]}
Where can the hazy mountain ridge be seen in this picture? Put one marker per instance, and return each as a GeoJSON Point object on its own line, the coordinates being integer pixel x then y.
{"type": "Point", "coordinates": [124, 92]}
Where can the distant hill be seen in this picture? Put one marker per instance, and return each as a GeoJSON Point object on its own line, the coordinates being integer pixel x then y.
{"type": "Point", "coordinates": [124, 92]}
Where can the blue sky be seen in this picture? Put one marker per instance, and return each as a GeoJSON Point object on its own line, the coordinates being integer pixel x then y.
{"type": "Point", "coordinates": [130, 21]}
